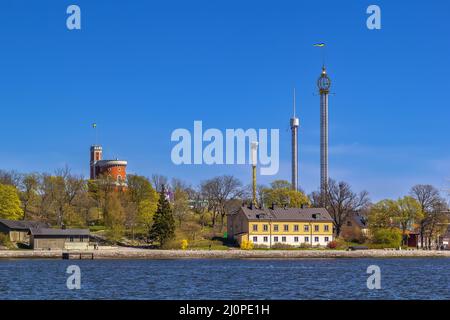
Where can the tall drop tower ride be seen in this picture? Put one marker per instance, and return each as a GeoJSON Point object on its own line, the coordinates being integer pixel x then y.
{"type": "Point", "coordinates": [295, 123]}
{"type": "Point", "coordinates": [324, 84]}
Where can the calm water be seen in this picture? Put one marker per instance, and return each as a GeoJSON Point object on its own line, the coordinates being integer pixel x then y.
{"type": "Point", "coordinates": [226, 279]}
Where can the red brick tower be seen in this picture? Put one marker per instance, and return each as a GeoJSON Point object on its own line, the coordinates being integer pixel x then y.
{"type": "Point", "coordinates": [115, 169]}
{"type": "Point", "coordinates": [96, 155]}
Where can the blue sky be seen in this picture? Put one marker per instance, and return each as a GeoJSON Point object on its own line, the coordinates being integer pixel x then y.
{"type": "Point", "coordinates": [141, 69]}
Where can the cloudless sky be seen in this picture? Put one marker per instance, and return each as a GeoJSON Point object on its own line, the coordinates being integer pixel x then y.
{"type": "Point", "coordinates": [141, 69]}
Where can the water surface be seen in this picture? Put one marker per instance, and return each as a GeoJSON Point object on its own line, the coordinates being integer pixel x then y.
{"type": "Point", "coordinates": [226, 279]}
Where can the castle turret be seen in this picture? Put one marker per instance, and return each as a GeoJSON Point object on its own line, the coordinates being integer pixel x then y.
{"type": "Point", "coordinates": [96, 155]}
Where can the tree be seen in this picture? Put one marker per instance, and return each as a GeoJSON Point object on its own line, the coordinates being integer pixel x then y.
{"type": "Point", "coordinates": [11, 178]}
{"type": "Point", "coordinates": [217, 191]}
{"type": "Point", "coordinates": [435, 222]}
{"type": "Point", "coordinates": [341, 201]}
{"type": "Point", "coordinates": [143, 200]}
{"type": "Point", "coordinates": [406, 211]}
{"type": "Point", "coordinates": [180, 204]}
{"type": "Point", "coordinates": [99, 190]}
{"type": "Point", "coordinates": [380, 215]}
{"type": "Point", "coordinates": [10, 206]}
{"type": "Point", "coordinates": [163, 228]}
{"type": "Point", "coordinates": [159, 181]}
{"type": "Point", "coordinates": [430, 203]}
{"type": "Point", "coordinates": [114, 217]}
{"type": "Point", "coordinates": [281, 194]}
{"type": "Point", "coordinates": [29, 195]}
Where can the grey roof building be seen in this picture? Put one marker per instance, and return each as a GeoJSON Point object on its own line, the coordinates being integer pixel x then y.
{"type": "Point", "coordinates": [47, 239]}
{"type": "Point", "coordinates": [18, 229]}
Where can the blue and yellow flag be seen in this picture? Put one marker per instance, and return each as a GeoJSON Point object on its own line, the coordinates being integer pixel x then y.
{"type": "Point", "coordinates": [319, 45]}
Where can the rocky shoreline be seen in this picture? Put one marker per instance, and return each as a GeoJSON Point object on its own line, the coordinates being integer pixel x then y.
{"type": "Point", "coordinates": [130, 253]}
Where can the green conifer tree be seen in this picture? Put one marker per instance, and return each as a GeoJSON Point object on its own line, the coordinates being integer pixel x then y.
{"type": "Point", "coordinates": [163, 228]}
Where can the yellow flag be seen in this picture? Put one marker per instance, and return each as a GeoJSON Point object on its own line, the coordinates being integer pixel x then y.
{"type": "Point", "coordinates": [319, 45]}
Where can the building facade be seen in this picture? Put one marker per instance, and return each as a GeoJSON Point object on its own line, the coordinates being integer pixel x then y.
{"type": "Point", "coordinates": [289, 226]}
{"type": "Point", "coordinates": [114, 169]}
{"type": "Point", "coordinates": [69, 239]}
{"type": "Point", "coordinates": [18, 231]}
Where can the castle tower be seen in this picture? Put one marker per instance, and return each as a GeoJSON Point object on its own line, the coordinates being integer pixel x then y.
{"type": "Point", "coordinates": [96, 155]}
{"type": "Point", "coordinates": [115, 169]}
{"type": "Point", "coordinates": [295, 123]}
{"type": "Point", "coordinates": [324, 84]}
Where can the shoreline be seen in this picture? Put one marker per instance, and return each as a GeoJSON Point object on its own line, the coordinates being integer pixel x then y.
{"type": "Point", "coordinates": [151, 254]}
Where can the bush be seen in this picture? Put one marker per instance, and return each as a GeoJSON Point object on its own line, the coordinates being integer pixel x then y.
{"type": "Point", "coordinates": [260, 246]}
{"type": "Point", "coordinates": [283, 246]}
{"type": "Point", "coordinates": [184, 244]}
{"type": "Point", "coordinates": [332, 244]}
{"type": "Point", "coordinates": [305, 245]}
{"type": "Point", "coordinates": [247, 245]}
{"type": "Point", "coordinates": [389, 238]}
{"type": "Point", "coordinates": [5, 241]}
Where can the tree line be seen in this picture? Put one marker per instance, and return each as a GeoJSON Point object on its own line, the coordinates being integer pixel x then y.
{"type": "Point", "coordinates": [149, 203]}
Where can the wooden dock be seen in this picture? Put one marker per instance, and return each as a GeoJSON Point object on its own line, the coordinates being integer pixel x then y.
{"type": "Point", "coordinates": [78, 256]}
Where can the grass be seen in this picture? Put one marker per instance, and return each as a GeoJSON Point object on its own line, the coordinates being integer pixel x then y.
{"type": "Point", "coordinates": [97, 228]}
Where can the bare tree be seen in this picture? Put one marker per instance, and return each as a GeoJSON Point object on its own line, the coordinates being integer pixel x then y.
{"type": "Point", "coordinates": [429, 199]}
{"type": "Point", "coordinates": [217, 191]}
{"type": "Point", "coordinates": [12, 178]}
{"type": "Point", "coordinates": [340, 201]}
{"type": "Point", "coordinates": [158, 181]}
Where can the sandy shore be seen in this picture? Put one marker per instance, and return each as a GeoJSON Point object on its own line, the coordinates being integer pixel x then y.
{"type": "Point", "coordinates": [130, 253]}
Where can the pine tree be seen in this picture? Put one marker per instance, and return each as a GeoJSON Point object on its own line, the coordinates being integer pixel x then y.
{"type": "Point", "coordinates": [163, 228]}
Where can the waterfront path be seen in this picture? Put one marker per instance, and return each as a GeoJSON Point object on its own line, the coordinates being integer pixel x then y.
{"type": "Point", "coordinates": [132, 253]}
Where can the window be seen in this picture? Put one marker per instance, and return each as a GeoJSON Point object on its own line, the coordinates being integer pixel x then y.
{"type": "Point", "coordinates": [283, 239]}
{"type": "Point", "coordinates": [275, 227]}
{"type": "Point", "coordinates": [316, 239]}
{"type": "Point", "coordinates": [266, 227]}
{"type": "Point", "coordinates": [296, 227]}
{"type": "Point", "coordinates": [255, 227]}
{"type": "Point", "coordinates": [306, 239]}
{"type": "Point", "coordinates": [275, 239]}
{"type": "Point", "coordinates": [295, 239]}
{"type": "Point", "coordinates": [327, 239]}
{"type": "Point", "coordinates": [266, 239]}
{"type": "Point", "coordinates": [316, 228]}
{"type": "Point", "coordinates": [306, 228]}
{"type": "Point", "coordinates": [255, 239]}
{"type": "Point", "coordinates": [326, 227]}
{"type": "Point", "coordinates": [286, 227]}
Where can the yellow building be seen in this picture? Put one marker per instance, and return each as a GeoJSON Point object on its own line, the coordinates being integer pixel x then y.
{"type": "Point", "coordinates": [291, 226]}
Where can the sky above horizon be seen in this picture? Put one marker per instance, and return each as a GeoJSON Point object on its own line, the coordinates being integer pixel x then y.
{"type": "Point", "coordinates": [142, 69]}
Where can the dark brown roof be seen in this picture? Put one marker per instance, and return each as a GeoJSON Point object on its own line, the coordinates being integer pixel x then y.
{"type": "Point", "coordinates": [359, 219]}
{"type": "Point", "coordinates": [59, 232]}
{"type": "Point", "coordinates": [287, 214]}
{"type": "Point", "coordinates": [23, 225]}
